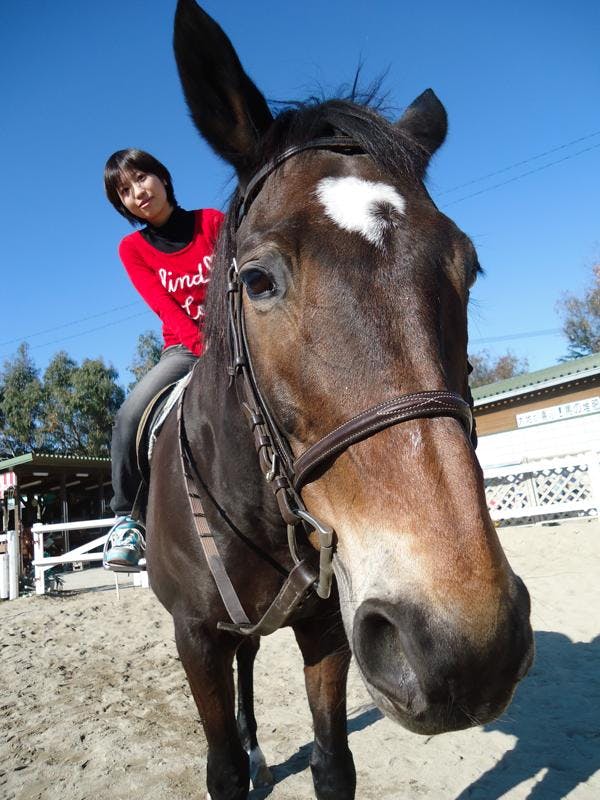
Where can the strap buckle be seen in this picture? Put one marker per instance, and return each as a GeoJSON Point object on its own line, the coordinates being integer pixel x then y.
{"type": "Point", "coordinates": [325, 533]}
{"type": "Point", "coordinates": [270, 473]}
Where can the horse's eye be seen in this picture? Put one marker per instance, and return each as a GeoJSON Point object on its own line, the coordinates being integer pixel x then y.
{"type": "Point", "coordinates": [257, 282]}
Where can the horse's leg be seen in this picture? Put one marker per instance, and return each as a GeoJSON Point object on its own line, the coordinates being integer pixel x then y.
{"type": "Point", "coordinates": [260, 774]}
{"type": "Point", "coordinates": [208, 664]}
{"type": "Point", "coordinates": [326, 660]}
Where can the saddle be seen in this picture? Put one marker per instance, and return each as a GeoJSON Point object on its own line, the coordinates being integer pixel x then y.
{"type": "Point", "coordinates": [151, 422]}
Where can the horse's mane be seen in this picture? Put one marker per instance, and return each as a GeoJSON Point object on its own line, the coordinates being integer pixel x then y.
{"type": "Point", "coordinates": [297, 124]}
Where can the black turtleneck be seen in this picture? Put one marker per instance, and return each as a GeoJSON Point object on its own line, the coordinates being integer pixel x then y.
{"type": "Point", "coordinates": [174, 235]}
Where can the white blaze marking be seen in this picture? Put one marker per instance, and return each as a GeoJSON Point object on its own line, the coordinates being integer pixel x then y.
{"type": "Point", "coordinates": [416, 440]}
{"type": "Point", "coordinates": [352, 203]}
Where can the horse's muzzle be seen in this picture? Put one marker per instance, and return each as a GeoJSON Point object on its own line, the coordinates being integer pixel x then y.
{"type": "Point", "coordinates": [433, 678]}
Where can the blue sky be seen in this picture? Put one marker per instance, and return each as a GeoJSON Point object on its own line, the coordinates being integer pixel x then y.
{"type": "Point", "coordinates": [80, 80]}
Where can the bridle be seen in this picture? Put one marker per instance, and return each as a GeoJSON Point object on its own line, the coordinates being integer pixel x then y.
{"type": "Point", "coordinates": [285, 473]}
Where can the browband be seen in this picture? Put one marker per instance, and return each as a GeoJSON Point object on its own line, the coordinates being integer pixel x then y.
{"type": "Point", "coordinates": [344, 143]}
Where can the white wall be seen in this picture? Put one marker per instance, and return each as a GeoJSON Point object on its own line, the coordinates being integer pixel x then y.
{"type": "Point", "coordinates": [563, 437]}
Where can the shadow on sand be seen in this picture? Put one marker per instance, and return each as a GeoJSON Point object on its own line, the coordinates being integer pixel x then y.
{"type": "Point", "coordinates": [555, 716]}
{"type": "Point", "coordinates": [298, 762]}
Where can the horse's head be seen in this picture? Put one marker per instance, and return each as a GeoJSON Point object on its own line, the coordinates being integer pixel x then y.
{"type": "Point", "coordinates": [356, 289]}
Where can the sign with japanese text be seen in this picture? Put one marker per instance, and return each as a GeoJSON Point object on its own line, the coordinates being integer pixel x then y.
{"type": "Point", "coordinates": [578, 408]}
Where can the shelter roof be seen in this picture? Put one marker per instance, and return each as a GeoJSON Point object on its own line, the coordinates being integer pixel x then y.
{"type": "Point", "coordinates": [51, 460]}
{"type": "Point", "coordinates": [576, 370]}
{"type": "Point", "coordinates": [49, 473]}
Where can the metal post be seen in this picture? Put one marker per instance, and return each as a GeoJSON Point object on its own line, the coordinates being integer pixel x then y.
{"type": "Point", "coordinates": [12, 548]}
{"type": "Point", "coordinates": [65, 510]}
{"type": "Point", "coordinates": [18, 531]}
{"type": "Point", "coordinates": [101, 504]}
{"type": "Point", "coordinates": [38, 555]}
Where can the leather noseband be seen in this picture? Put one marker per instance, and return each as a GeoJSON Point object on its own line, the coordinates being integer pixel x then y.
{"type": "Point", "coordinates": [401, 409]}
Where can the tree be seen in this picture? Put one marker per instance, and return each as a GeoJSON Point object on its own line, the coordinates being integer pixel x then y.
{"type": "Point", "coordinates": [486, 369]}
{"type": "Point", "coordinates": [71, 411]}
{"type": "Point", "coordinates": [581, 318]}
{"type": "Point", "coordinates": [80, 403]}
{"type": "Point", "coordinates": [21, 400]}
{"type": "Point", "coordinates": [58, 401]}
{"type": "Point", "coordinates": [98, 398]}
{"type": "Point", "coordinates": [147, 355]}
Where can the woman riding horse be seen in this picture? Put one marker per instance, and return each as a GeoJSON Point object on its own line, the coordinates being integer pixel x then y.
{"type": "Point", "coordinates": [168, 262]}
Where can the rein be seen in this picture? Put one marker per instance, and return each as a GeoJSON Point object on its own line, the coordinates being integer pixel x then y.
{"type": "Point", "coordinates": [286, 474]}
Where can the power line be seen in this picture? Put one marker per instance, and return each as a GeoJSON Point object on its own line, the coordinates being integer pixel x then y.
{"type": "Point", "coordinates": [518, 163]}
{"type": "Point", "coordinates": [68, 324]}
{"type": "Point", "coordinates": [445, 191]}
{"type": "Point", "coordinates": [510, 336]}
{"type": "Point", "coordinates": [521, 175]}
{"type": "Point", "coordinates": [92, 330]}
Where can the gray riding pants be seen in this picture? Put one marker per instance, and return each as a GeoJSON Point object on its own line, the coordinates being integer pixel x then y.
{"type": "Point", "coordinates": [175, 362]}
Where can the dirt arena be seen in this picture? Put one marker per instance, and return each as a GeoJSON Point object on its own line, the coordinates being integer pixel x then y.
{"type": "Point", "coordinates": [94, 710]}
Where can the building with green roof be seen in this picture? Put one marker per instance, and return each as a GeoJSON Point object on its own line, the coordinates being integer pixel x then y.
{"type": "Point", "coordinates": [546, 413]}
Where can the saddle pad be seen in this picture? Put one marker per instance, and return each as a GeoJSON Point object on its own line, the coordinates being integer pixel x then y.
{"type": "Point", "coordinates": [163, 412]}
{"type": "Point", "coordinates": [152, 420]}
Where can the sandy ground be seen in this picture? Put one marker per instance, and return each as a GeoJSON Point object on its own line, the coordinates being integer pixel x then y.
{"type": "Point", "coordinates": [91, 710]}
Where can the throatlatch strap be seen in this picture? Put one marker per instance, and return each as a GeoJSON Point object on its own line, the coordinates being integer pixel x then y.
{"type": "Point", "coordinates": [296, 588]}
{"type": "Point", "coordinates": [213, 558]}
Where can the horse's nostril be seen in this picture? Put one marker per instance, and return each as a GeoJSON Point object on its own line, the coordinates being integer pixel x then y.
{"type": "Point", "coordinates": [379, 643]}
{"type": "Point", "coordinates": [381, 652]}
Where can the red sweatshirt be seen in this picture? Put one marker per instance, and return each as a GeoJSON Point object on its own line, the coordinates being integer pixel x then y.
{"type": "Point", "coordinates": [174, 284]}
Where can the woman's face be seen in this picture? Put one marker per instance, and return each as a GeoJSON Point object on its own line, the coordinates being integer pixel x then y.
{"type": "Point", "coordinates": [145, 196]}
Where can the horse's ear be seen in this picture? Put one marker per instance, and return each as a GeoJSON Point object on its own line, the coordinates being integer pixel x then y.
{"type": "Point", "coordinates": [425, 121]}
{"type": "Point", "coordinates": [227, 108]}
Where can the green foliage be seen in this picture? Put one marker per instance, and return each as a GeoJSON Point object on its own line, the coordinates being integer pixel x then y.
{"type": "Point", "coordinates": [80, 403]}
{"type": "Point", "coordinates": [70, 412]}
{"type": "Point", "coordinates": [581, 318]}
{"type": "Point", "coordinates": [487, 369]}
{"type": "Point", "coordinates": [147, 355]}
{"type": "Point", "coordinates": [58, 402]}
{"type": "Point", "coordinates": [21, 401]}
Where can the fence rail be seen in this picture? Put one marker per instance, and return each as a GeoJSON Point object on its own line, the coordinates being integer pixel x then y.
{"type": "Point", "coordinates": [545, 490]}
{"type": "Point", "coordinates": [41, 563]}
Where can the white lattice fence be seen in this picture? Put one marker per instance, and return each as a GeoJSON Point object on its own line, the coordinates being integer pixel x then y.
{"type": "Point", "coordinates": [549, 489]}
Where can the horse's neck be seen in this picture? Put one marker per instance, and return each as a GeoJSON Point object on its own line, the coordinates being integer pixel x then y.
{"type": "Point", "coordinates": [222, 444]}
{"type": "Point", "coordinates": [212, 411]}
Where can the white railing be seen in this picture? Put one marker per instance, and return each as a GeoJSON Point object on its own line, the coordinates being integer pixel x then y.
{"type": "Point", "coordinates": [9, 566]}
{"type": "Point", "coordinates": [79, 554]}
{"type": "Point", "coordinates": [553, 488]}
{"type": "Point", "coordinates": [41, 563]}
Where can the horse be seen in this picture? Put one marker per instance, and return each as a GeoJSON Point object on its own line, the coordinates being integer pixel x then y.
{"type": "Point", "coordinates": [336, 347]}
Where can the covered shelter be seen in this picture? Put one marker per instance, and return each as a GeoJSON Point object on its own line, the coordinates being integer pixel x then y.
{"type": "Point", "coordinates": [42, 487]}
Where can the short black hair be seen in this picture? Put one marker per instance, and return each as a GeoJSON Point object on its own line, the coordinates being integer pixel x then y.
{"type": "Point", "coordinates": [126, 161]}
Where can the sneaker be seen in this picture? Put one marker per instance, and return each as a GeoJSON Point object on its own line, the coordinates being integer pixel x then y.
{"type": "Point", "coordinates": [124, 546]}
